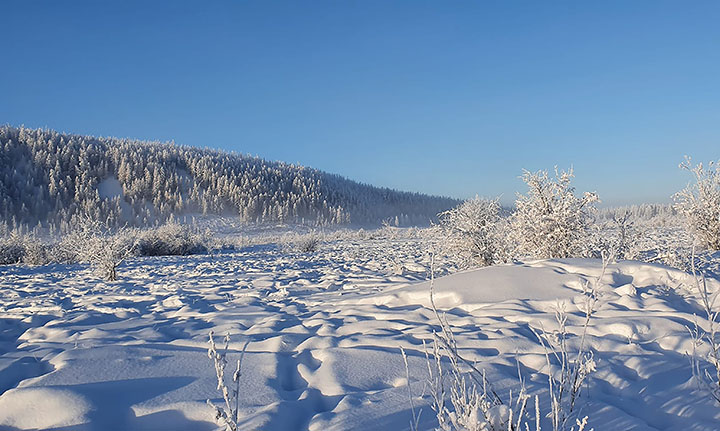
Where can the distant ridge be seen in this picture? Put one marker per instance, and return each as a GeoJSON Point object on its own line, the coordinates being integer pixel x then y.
{"type": "Point", "coordinates": [51, 178]}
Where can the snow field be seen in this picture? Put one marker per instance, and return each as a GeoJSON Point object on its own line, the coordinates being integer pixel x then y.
{"type": "Point", "coordinates": [324, 332]}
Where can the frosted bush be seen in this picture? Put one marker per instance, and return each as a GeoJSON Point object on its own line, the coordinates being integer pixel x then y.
{"type": "Point", "coordinates": [308, 243]}
{"type": "Point", "coordinates": [12, 249]}
{"type": "Point", "coordinates": [474, 232]}
{"type": "Point", "coordinates": [105, 250]}
{"type": "Point", "coordinates": [617, 238]}
{"type": "Point", "coordinates": [550, 221]}
{"type": "Point", "coordinates": [303, 243]}
{"type": "Point", "coordinates": [171, 239]}
{"type": "Point", "coordinates": [18, 247]}
{"type": "Point", "coordinates": [36, 252]}
{"type": "Point", "coordinates": [699, 203]}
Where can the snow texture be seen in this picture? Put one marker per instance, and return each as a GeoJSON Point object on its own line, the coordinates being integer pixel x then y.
{"type": "Point", "coordinates": [324, 332]}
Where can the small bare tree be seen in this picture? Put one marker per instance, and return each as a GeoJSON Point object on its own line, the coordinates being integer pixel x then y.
{"type": "Point", "coordinates": [94, 243]}
{"type": "Point", "coordinates": [550, 221]}
{"type": "Point", "coordinates": [699, 203]}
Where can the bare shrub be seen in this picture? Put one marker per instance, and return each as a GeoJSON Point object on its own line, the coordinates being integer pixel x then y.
{"type": "Point", "coordinates": [93, 243]}
{"type": "Point", "coordinates": [699, 203]}
{"type": "Point", "coordinates": [171, 239]}
{"type": "Point", "coordinates": [12, 249]}
{"type": "Point", "coordinates": [617, 238]}
{"type": "Point", "coordinates": [36, 252]}
{"type": "Point", "coordinates": [308, 244]}
{"type": "Point", "coordinates": [303, 243]}
{"type": "Point", "coordinates": [574, 368]}
{"type": "Point", "coordinates": [474, 232]}
{"type": "Point", "coordinates": [550, 221]}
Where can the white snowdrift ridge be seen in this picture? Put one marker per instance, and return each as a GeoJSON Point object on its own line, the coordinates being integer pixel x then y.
{"type": "Point", "coordinates": [325, 330]}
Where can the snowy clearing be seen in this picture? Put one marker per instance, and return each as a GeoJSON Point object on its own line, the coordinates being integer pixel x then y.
{"type": "Point", "coordinates": [324, 332]}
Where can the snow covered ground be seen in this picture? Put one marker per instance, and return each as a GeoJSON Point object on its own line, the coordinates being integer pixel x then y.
{"type": "Point", "coordinates": [324, 332]}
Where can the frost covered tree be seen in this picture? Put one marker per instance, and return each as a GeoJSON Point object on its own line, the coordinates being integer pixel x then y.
{"type": "Point", "coordinates": [550, 221]}
{"type": "Point", "coordinates": [699, 203]}
{"type": "Point", "coordinates": [103, 249]}
{"type": "Point", "coordinates": [475, 232]}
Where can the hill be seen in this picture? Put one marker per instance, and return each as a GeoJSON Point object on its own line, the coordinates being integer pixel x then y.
{"type": "Point", "coordinates": [51, 178]}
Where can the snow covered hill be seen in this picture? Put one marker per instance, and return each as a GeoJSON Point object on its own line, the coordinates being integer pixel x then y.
{"type": "Point", "coordinates": [323, 332]}
{"type": "Point", "coordinates": [51, 177]}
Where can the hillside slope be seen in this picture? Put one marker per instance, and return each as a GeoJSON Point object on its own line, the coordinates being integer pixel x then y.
{"type": "Point", "coordinates": [46, 176]}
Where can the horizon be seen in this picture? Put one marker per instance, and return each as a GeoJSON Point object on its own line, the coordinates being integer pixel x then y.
{"type": "Point", "coordinates": [442, 99]}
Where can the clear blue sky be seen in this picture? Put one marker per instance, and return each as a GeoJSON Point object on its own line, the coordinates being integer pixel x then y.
{"type": "Point", "coordinates": [443, 97]}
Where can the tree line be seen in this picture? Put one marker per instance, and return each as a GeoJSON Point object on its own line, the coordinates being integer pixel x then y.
{"type": "Point", "coordinates": [52, 178]}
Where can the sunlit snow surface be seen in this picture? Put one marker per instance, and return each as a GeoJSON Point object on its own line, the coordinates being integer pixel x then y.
{"type": "Point", "coordinates": [324, 332]}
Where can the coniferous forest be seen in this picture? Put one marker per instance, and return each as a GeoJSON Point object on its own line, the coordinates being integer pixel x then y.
{"type": "Point", "coordinates": [51, 178]}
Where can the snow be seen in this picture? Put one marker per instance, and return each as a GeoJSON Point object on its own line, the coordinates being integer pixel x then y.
{"type": "Point", "coordinates": [324, 332]}
{"type": "Point", "coordinates": [110, 188]}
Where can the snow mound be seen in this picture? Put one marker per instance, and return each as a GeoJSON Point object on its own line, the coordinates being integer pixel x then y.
{"type": "Point", "coordinates": [544, 280]}
{"type": "Point", "coordinates": [41, 408]}
{"type": "Point", "coordinates": [110, 188]}
{"type": "Point", "coordinates": [470, 289]}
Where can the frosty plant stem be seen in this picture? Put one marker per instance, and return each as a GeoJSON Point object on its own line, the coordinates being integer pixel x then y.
{"type": "Point", "coordinates": [228, 413]}
{"type": "Point", "coordinates": [475, 404]}
{"type": "Point", "coordinates": [564, 392]}
{"type": "Point", "coordinates": [415, 417]}
{"type": "Point", "coordinates": [706, 378]}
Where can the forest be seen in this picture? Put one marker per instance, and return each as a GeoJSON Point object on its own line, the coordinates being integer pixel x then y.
{"type": "Point", "coordinates": [50, 179]}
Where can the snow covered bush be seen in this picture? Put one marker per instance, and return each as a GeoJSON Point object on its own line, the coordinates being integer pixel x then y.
{"type": "Point", "coordinates": [308, 243]}
{"type": "Point", "coordinates": [617, 238]}
{"type": "Point", "coordinates": [474, 232]}
{"type": "Point", "coordinates": [299, 242]}
{"type": "Point", "coordinates": [699, 203]}
{"type": "Point", "coordinates": [105, 250]}
{"type": "Point", "coordinates": [12, 249]}
{"type": "Point", "coordinates": [36, 252]}
{"type": "Point", "coordinates": [17, 247]}
{"type": "Point", "coordinates": [624, 245]}
{"type": "Point", "coordinates": [171, 239]}
{"type": "Point", "coordinates": [550, 221]}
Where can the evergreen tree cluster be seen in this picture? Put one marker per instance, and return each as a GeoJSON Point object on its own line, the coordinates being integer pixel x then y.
{"type": "Point", "coordinates": [52, 178]}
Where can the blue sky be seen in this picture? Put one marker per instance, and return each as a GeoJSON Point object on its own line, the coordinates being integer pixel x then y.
{"type": "Point", "coordinates": [444, 97]}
